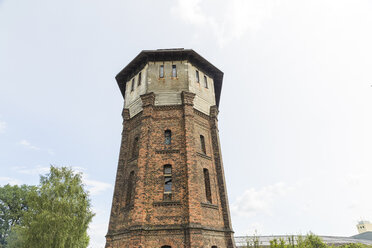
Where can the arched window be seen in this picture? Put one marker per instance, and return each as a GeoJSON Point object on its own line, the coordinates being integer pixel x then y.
{"type": "Point", "coordinates": [168, 137]}
{"type": "Point", "coordinates": [167, 182]}
{"type": "Point", "coordinates": [215, 246]}
{"type": "Point", "coordinates": [202, 144]}
{"type": "Point", "coordinates": [135, 147]}
{"type": "Point", "coordinates": [166, 246]}
{"type": "Point", "coordinates": [128, 199]}
{"type": "Point", "coordinates": [207, 185]}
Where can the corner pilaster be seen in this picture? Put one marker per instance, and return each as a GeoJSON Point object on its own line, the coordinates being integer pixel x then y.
{"type": "Point", "coordinates": [221, 176]}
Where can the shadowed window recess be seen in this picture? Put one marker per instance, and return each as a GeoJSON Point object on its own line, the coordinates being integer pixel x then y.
{"type": "Point", "coordinates": [167, 182]}
{"type": "Point", "coordinates": [128, 199]}
{"type": "Point", "coordinates": [168, 137]}
{"type": "Point", "coordinates": [139, 79]}
{"type": "Point", "coordinates": [135, 148]}
{"type": "Point", "coordinates": [197, 76]}
{"type": "Point", "coordinates": [202, 144]}
{"type": "Point", "coordinates": [132, 86]}
{"type": "Point", "coordinates": [205, 82]}
{"type": "Point", "coordinates": [207, 185]}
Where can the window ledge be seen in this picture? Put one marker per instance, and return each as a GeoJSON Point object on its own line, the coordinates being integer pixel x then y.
{"type": "Point", "coordinates": [167, 203]}
{"type": "Point", "coordinates": [132, 159]}
{"type": "Point", "coordinates": [209, 205]}
{"type": "Point", "coordinates": [166, 151]}
{"type": "Point", "coordinates": [203, 155]}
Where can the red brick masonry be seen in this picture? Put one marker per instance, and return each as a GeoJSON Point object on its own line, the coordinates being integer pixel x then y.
{"type": "Point", "coordinates": [184, 218]}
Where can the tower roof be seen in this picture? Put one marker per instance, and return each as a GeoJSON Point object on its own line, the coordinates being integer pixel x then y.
{"type": "Point", "coordinates": [173, 54]}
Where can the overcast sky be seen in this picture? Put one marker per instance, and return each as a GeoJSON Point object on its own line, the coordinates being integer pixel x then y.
{"type": "Point", "coordinates": [295, 112]}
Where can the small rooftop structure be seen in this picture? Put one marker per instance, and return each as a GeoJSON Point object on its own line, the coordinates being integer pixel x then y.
{"type": "Point", "coordinates": [364, 226]}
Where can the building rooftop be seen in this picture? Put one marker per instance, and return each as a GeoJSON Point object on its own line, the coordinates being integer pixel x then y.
{"type": "Point", "coordinates": [241, 241]}
{"type": "Point", "coordinates": [172, 54]}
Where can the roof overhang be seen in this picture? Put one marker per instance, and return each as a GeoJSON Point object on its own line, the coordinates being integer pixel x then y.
{"type": "Point", "coordinates": [170, 55]}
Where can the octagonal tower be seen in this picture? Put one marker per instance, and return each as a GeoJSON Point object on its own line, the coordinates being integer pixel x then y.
{"type": "Point", "coordinates": [170, 187]}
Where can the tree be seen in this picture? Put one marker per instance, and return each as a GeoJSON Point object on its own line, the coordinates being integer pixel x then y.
{"type": "Point", "coordinates": [13, 205]}
{"type": "Point", "coordinates": [59, 212]}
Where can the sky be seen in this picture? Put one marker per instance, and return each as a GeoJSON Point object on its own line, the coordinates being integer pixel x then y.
{"type": "Point", "coordinates": [295, 112]}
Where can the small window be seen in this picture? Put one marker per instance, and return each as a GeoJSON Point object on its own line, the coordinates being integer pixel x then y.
{"type": "Point", "coordinates": [214, 246]}
{"type": "Point", "coordinates": [128, 199]}
{"type": "Point", "coordinates": [202, 144]}
{"type": "Point", "coordinates": [207, 185]}
{"type": "Point", "coordinates": [168, 137]}
{"type": "Point", "coordinates": [135, 148]}
{"type": "Point", "coordinates": [205, 82]}
{"type": "Point", "coordinates": [167, 179]}
{"type": "Point", "coordinates": [132, 86]}
{"type": "Point", "coordinates": [197, 76]}
{"type": "Point", "coordinates": [174, 71]}
{"type": "Point", "coordinates": [161, 71]}
{"type": "Point", "coordinates": [139, 79]}
{"type": "Point", "coordinates": [166, 246]}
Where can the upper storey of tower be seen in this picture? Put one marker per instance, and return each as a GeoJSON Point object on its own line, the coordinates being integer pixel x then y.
{"type": "Point", "coordinates": [166, 73]}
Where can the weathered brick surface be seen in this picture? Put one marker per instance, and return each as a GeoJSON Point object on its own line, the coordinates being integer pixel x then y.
{"type": "Point", "coordinates": [186, 220]}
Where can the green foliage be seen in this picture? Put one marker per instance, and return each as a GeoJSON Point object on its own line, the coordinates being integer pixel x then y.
{"type": "Point", "coordinates": [13, 205]}
{"type": "Point", "coordinates": [58, 215]}
{"type": "Point", "coordinates": [16, 238]}
{"type": "Point", "coordinates": [309, 241]}
{"type": "Point", "coordinates": [253, 242]}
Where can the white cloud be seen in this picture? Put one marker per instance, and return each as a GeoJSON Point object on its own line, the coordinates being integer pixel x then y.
{"type": "Point", "coordinates": [28, 145]}
{"type": "Point", "coordinates": [96, 187]}
{"type": "Point", "coordinates": [96, 232]}
{"type": "Point", "coordinates": [226, 21]}
{"type": "Point", "coordinates": [32, 171]}
{"type": "Point", "coordinates": [2, 126]}
{"type": "Point", "coordinates": [9, 180]}
{"type": "Point", "coordinates": [253, 201]}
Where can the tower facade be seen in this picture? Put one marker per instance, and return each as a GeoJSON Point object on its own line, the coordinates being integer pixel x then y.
{"type": "Point", "coordinates": [170, 187]}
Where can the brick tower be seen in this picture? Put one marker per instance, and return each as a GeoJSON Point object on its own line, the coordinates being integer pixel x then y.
{"type": "Point", "coordinates": [170, 187]}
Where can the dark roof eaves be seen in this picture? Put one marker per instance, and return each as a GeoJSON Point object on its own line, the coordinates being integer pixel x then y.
{"type": "Point", "coordinates": [170, 54]}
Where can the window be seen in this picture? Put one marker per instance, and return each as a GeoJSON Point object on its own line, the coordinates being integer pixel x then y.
{"type": "Point", "coordinates": [202, 144]}
{"type": "Point", "coordinates": [139, 79]}
{"type": "Point", "coordinates": [132, 87]}
{"type": "Point", "coordinates": [207, 185]}
{"type": "Point", "coordinates": [168, 137]}
{"type": "Point", "coordinates": [174, 71]}
{"type": "Point", "coordinates": [128, 199]}
{"type": "Point", "coordinates": [214, 246]}
{"type": "Point", "coordinates": [161, 71]}
{"type": "Point", "coordinates": [135, 148]}
{"type": "Point", "coordinates": [197, 76]}
{"type": "Point", "coordinates": [167, 182]}
{"type": "Point", "coordinates": [205, 82]}
{"type": "Point", "coordinates": [166, 246]}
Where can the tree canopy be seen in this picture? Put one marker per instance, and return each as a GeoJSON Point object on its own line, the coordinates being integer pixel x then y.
{"type": "Point", "coordinates": [58, 213]}
{"type": "Point", "coordinates": [13, 205]}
